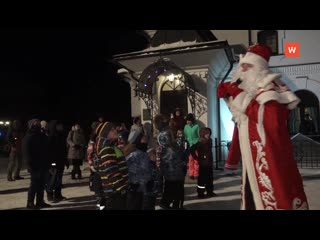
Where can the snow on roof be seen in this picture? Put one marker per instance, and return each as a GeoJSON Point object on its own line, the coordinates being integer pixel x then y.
{"type": "Point", "coordinates": [171, 45]}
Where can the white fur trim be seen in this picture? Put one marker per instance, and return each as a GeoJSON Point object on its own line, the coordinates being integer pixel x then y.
{"type": "Point", "coordinates": [254, 59]}
{"type": "Point", "coordinates": [270, 77]}
{"type": "Point", "coordinates": [239, 105]}
{"type": "Point", "coordinates": [248, 166]}
{"type": "Point", "coordinates": [241, 102]}
{"type": "Point", "coordinates": [260, 127]}
{"type": "Point", "coordinates": [291, 98]}
{"type": "Point", "coordinates": [287, 97]}
{"type": "Point", "coordinates": [244, 182]}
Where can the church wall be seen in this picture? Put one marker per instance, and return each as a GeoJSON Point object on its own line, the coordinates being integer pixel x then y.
{"type": "Point", "coordinates": [135, 104]}
{"type": "Point", "coordinates": [301, 72]}
{"type": "Point", "coordinates": [309, 47]}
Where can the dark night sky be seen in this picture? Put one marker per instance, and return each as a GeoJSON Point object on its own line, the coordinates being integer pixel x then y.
{"type": "Point", "coordinates": [63, 73]}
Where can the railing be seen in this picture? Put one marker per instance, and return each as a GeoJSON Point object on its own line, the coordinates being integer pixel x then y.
{"type": "Point", "coordinates": [307, 154]}
{"type": "Point", "coordinates": [221, 153]}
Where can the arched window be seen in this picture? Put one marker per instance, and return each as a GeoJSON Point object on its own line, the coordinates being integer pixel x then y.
{"type": "Point", "coordinates": [269, 38]}
{"type": "Point", "coordinates": [305, 118]}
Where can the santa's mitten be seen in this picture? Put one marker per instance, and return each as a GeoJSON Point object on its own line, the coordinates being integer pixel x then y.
{"type": "Point", "coordinates": [223, 90]}
{"type": "Point", "coordinates": [233, 90]}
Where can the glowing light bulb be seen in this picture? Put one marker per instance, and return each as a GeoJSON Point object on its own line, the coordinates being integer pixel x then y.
{"type": "Point", "coordinates": [171, 77]}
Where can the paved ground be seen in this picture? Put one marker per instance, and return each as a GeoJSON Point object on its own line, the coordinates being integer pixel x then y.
{"type": "Point", "coordinates": [13, 194]}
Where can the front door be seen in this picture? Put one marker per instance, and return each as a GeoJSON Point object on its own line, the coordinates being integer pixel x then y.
{"type": "Point", "coordinates": [172, 98]}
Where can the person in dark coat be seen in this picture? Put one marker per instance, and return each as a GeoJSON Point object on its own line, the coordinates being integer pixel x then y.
{"type": "Point", "coordinates": [138, 168]}
{"type": "Point", "coordinates": [202, 152]}
{"type": "Point", "coordinates": [58, 160]}
{"type": "Point", "coordinates": [177, 121]}
{"type": "Point", "coordinates": [152, 186]}
{"type": "Point", "coordinates": [172, 168]}
{"type": "Point", "coordinates": [35, 152]}
{"type": "Point", "coordinates": [14, 138]}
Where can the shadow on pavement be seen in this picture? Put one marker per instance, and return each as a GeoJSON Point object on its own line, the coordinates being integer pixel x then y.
{"type": "Point", "coordinates": [81, 199]}
{"type": "Point", "coordinates": [311, 177]}
{"type": "Point", "coordinates": [76, 203]}
{"type": "Point", "coordinates": [12, 191]}
{"type": "Point", "coordinates": [216, 205]}
{"type": "Point", "coordinates": [231, 183]}
{"type": "Point", "coordinates": [76, 184]}
{"type": "Point", "coordinates": [223, 194]}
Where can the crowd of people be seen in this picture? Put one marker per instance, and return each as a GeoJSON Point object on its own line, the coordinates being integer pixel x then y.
{"type": "Point", "coordinates": [130, 168]}
{"type": "Point", "coordinates": [47, 150]}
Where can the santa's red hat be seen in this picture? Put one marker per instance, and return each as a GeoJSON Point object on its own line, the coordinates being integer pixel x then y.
{"type": "Point", "coordinates": [257, 55]}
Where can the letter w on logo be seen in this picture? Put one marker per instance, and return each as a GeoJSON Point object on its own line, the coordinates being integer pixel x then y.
{"type": "Point", "coordinates": [292, 49]}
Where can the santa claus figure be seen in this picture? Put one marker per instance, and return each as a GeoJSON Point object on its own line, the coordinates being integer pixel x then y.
{"type": "Point", "coordinates": [260, 105]}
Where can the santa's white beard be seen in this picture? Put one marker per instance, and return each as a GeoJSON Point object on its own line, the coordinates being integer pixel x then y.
{"type": "Point", "coordinates": [250, 78]}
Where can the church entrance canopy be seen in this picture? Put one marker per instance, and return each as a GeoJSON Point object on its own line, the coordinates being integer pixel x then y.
{"type": "Point", "coordinates": [186, 56]}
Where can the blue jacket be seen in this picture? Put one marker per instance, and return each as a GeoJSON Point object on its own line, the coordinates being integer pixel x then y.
{"type": "Point", "coordinates": [139, 169]}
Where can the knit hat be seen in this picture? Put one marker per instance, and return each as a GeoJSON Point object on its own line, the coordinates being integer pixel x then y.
{"type": "Point", "coordinates": [33, 122]}
{"type": "Point", "coordinates": [190, 117]}
{"type": "Point", "coordinates": [257, 55]}
{"type": "Point", "coordinates": [103, 129]}
{"type": "Point", "coordinates": [203, 131]}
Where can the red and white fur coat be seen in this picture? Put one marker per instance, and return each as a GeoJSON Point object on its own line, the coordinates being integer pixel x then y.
{"type": "Point", "coordinates": [261, 140]}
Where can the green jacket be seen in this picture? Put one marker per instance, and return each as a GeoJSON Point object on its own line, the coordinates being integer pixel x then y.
{"type": "Point", "coordinates": [191, 133]}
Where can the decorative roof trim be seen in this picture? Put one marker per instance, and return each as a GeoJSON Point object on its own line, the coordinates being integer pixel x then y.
{"type": "Point", "coordinates": [168, 51]}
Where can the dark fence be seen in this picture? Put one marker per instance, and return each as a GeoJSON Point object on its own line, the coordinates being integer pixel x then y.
{"type": "Point", "coordinates": [221, 153]}
{"type": "Point", "coordinates": [307, 154]}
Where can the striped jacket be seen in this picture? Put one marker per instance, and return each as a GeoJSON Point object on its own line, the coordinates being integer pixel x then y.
{"type": "Point", "coordinates": [113, 169]}
{"type": "Point", "coordinates": [111, 163]}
